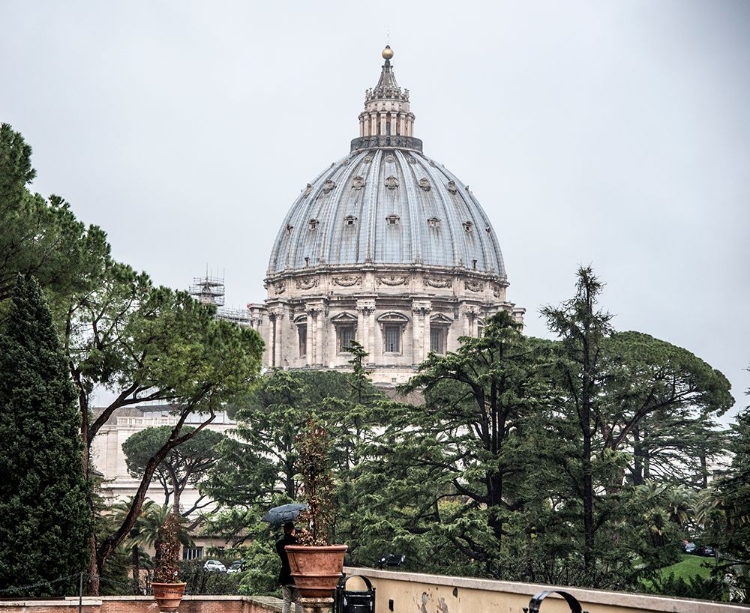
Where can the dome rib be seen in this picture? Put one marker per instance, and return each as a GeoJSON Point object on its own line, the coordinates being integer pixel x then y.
{"type": "Point", "coordinates": [336, 246]}
{"type": "Point", "coordinates": [444, 212]}
{"type": "Point", "coordinates": [418, 204]}
{"type": "Point", "coordinates": [412, 205]}
{"type": "Point", "coordinates": [373, 174]}
{"type": "Point", "coordinates": [452, 215]}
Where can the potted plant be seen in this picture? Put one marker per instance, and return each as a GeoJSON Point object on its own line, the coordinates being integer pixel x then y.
{"type": "Point", "coordinates": [167, 587]}
{"type": "Point", "coordinates": [316, 564]}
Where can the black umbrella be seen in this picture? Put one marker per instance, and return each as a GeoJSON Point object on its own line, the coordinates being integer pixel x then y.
{"type": "Point", "coordinates": [284, 513]}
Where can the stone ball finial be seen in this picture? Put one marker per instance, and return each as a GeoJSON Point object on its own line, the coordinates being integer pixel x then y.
{"type": "Point", "coordinates": [387, 52]}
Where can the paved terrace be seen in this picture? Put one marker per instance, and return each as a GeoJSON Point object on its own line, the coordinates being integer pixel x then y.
{"type": "Point", "coordinates": [401, 592]}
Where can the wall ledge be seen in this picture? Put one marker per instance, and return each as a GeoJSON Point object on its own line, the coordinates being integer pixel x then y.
{"type": "Point", "coordinates": [589, 598]}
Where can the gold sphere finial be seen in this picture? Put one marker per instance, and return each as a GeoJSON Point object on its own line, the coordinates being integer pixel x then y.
{"type": "Point", "coordinates": [387, 52]}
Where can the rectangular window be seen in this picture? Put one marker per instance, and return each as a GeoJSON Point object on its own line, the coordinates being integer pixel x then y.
{"type": "Point", "coordinates": [346, 336]}
{"type": "Point", "coordinates": [302, 331]}
{"type": "Point", "coordinates": [437, 340]}
{"type": "Point", "coordinates": [192, 553]}
{"type": "Point", "coordinates": [392, 339]}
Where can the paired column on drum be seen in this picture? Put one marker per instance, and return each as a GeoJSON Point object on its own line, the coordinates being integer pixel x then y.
{"type": "Point", "coordinates": [420, 330]}
{"type": "Point", "coordinates": [275, 318]}
{"type": "Point", "coordinates": [365, 326]}
{"type": "Point", "coordinates": [315, 333]}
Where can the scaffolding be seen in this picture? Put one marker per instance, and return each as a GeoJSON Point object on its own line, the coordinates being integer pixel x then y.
{"type": "Point", "coordinates": [238, 316]}
{"type": "Point", "coordinates": [208, 290]}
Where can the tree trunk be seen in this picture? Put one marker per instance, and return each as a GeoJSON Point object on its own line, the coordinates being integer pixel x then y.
{"type": "Point", "coordinates": [93, 582]}
{"type": "Point", "coordinates": [136, 571]}
{"type": "Point", "coordinates": [588, 490]}
{"type": "Point", "coordinates": [637, 457]}
{"type": "Point", "coordinates": [92, 588]}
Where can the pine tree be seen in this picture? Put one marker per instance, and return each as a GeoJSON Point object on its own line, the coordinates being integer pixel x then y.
{"type": "Point", "coordinates": [583, 328]}
{"type": "Point", "coordinates": [45, 521]}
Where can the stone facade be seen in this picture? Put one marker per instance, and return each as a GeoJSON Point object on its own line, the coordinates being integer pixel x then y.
{"type": "Point", "coordinates": [109, 459]}
{"type": "Point", "coordinates": [397, 314]}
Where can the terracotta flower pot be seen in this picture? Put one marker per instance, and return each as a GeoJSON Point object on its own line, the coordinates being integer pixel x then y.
{"type": "Point", "coordinates": [168, 595]}
{"type": "Point", "coordinates": [316, 569]}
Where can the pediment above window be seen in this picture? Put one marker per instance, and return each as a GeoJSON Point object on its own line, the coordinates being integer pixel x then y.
{"type": "Point", "coordinates": [438, 319]}
{"type": "Point", "coordinates": [392, 317]}
{"type": "Point", "coordinates": [344, 318]}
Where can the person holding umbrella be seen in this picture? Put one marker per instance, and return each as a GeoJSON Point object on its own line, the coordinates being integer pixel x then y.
{"type": "Point", "coordinates": [288, 591]}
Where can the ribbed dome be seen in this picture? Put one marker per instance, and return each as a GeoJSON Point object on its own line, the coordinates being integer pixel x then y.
{"type": "Point", "coordinates": [386, 203]}
{"type": "Point", "coordinates": [386, 248]}
{"type": "Point", "coordinates": [386, 206]}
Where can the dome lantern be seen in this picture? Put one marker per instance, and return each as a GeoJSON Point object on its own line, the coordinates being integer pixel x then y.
{"type": "Point", "coordinates": [387, 120]}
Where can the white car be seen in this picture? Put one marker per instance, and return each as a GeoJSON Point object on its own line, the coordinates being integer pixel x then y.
{"type": "Point", "coordinates": [214, 565]}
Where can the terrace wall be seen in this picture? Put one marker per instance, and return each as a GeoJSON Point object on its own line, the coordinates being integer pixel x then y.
{"type": "Point", "coordinates": [401, 592]}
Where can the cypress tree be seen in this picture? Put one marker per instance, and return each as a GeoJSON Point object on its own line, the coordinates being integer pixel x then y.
{"type": "Point", "coordinates": [45, 522]}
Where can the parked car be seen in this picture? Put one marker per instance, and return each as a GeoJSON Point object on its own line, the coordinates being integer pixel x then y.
{"type": "Point", "coordinates": [705, 550]}
{"type": "Point", "coordinates": [214, 565]}
{"type": "Point", "coordinates": [688, 547]}
{"type": "Point", "coordinates": [236, 567]}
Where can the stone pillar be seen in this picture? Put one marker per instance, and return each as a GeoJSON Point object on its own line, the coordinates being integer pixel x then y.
{"type": "Point", "coordinates": [309, 339]}
{"type": "Point", "coordinates": [260, 322]}
{"type": "Point", "coordinates": [427, 336]}
{"type": "Point", "coordinates": [332, 348]}
{"type": "Point", "coordinates": [276, 317]}
{"type": "Point", "coordinates": [360, 334]}
{"type": "Point", "coordinates": [315, 314]}
{"type": "Point", "coordinates": [415, 349]}
{"type": "Point", "coordinates": [471, 320]}
{"type": "Point", "coordinates": [320, 339]}
{"type": "Point", "coordinates": [421, 310]}
{"type": "Point", "coordinates": [272, 339]}
{"type": "Point", "coordinates": [374, 349]}
{"type": "Point", "coordinates": [365, 309]}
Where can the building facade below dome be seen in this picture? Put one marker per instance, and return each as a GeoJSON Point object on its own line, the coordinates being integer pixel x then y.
{"type": "Point", "coordinates": [385, 247]}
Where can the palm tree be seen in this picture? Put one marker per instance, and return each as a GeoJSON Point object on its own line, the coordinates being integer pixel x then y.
{"type": "Point", "coordinates": [145, 532]}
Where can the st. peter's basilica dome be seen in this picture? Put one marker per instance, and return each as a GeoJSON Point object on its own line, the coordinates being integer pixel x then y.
{"type": "Point", "coordinates": [385, 247]}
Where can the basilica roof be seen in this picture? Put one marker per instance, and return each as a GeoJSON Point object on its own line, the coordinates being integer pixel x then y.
{"type": "Point", "coordinates": [386, 203]}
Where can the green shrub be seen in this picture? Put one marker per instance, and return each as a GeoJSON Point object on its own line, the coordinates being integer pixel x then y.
{"type": "Point", "coordinates": [697, 586]}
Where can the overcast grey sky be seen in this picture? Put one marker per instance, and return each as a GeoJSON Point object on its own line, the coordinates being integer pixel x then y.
{"type": "Point", "coordinates": [615, 134]}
